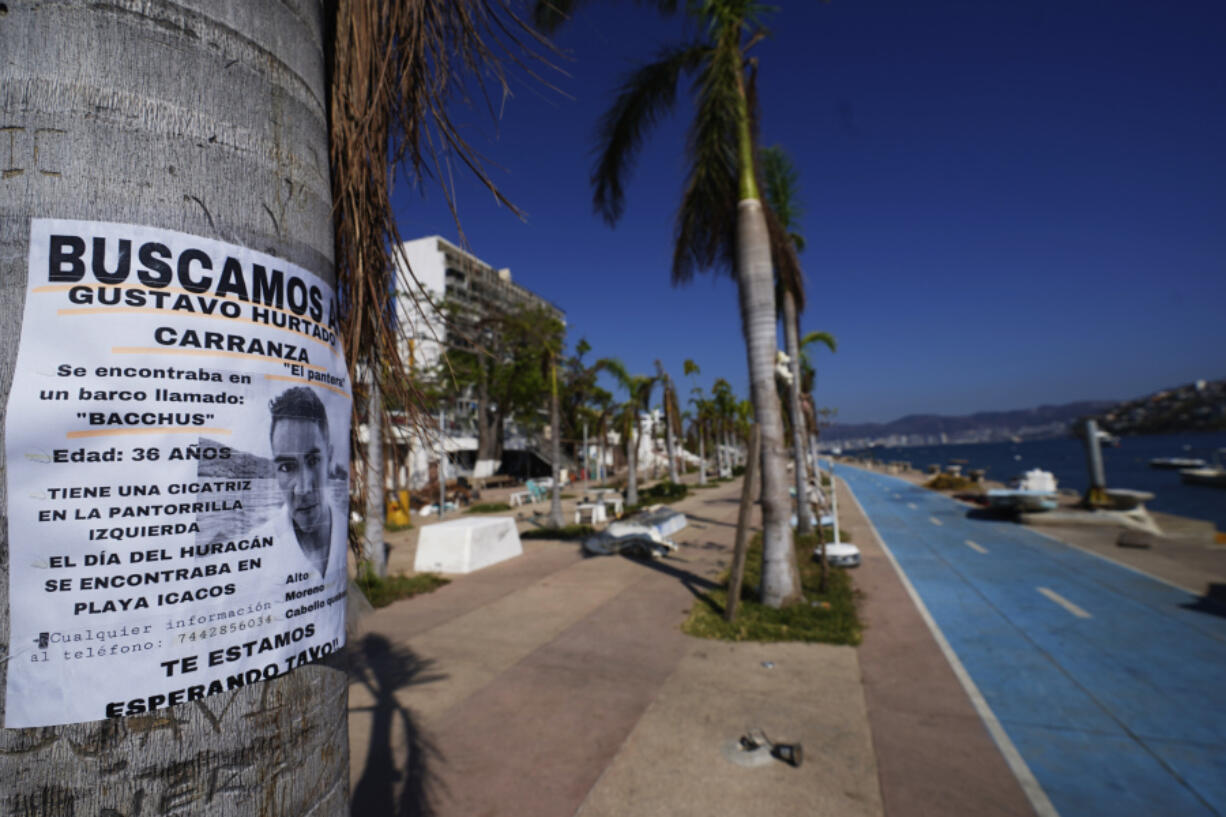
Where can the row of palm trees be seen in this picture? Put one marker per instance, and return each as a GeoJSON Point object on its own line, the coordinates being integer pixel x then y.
{"type": "Point", "coordinates": [738, 215]}
{"type": "Point", "coordinates": [723, 223]}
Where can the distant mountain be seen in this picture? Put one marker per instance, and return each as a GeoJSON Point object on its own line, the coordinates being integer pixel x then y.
{"type": "Point", "coordinates": [1199, 406]}
{"type": "Point", "coordinates": [984, 426]}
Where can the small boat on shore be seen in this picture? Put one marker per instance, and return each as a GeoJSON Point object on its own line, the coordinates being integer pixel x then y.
{"type": "Point", "coordinates": [1176, 463]}
{"type": "Point", "coordinates": [1033, 491]}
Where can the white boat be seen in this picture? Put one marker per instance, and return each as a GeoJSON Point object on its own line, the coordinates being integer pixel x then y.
{"type": "Point", "coordinates": [1176, 463]}
{"type": "Point", "coordinates": [1214, 475]}
{"type": "Point", "coordinates": [1033, 491]}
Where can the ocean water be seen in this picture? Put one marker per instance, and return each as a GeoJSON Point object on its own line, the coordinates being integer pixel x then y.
{"type": "Point", "coordinates": [1126, 466]}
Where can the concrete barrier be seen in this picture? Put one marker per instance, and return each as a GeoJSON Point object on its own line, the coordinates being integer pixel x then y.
{"type": "Point", "coordinates": [465, 545]}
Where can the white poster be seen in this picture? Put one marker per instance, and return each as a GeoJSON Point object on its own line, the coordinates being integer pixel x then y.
{"type": "Point", "coordinates": [177, 440]}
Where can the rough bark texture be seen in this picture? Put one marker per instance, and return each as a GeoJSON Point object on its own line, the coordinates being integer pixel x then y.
{"type": "Point", "coordinates": [736, 576]}
{"type": "Point", "coordinates": [702, 457]}
{"type": "Point", "coordinates": [755, 286]}
{"type": "Point", "coordinates": [372, 536]}
{"type": "Point", "coordinates": [670, 445]}
{"type": "Point", "coordinates": [555, 451]}
{"type": "Point", "coordinates": [209, 118]}
{"type": "Point", "coordinates": [792, 339]}
{"type": "Point", "coordinates": [632, 465]}
{"type": "Point", "coordinates": [486, 424]}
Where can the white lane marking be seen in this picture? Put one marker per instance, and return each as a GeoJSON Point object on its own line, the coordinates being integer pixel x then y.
{"type": "Point", "coordinates": [912, 505]}
{"type": "Point", "coordinates": [935, 521]}
{"type": "Point", "coordinates": [976, 546]}
{"type": "Point", "coordinates": [1038, 798]}
{"type": "Point", "coordinates": [1063, 602]}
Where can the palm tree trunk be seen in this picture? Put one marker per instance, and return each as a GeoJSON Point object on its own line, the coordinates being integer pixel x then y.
{"type": "Point", "coordinates": [780, 585]}
{"type": "Point", "coordinates": [721, 452]}
{"type": "Point", "coordinates": [485, 423]}
{"type": "Point", "coordinates": [216, 156]}
{"type": "Point", "coordinates": [702, 455]}
{"type": "Point", "coordinates": [555, 433]}
{"type": "Point", "coordinates": [600, 466]}
{"type": "Point", "coordinates": [792, 339]}
{"type": "Point", "coordinates": [632, 479]}
{"type": "Point", "coordinates": [669, 444]}
{"type": "Point", "coordinates": [373, 549]}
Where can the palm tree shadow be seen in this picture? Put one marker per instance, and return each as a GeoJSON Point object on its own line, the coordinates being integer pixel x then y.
{"type": "Point", "coordinates": [383, 668]}
{"type": "Point", "coordinates": [708, 520]}
{"type": "Point", "coordinates": [699, 586]}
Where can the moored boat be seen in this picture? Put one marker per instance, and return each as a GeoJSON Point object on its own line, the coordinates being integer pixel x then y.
{"type": "Point", "coordinates": [1176, 463]}
{"type": "Point", "coordinates": [1214, 475]}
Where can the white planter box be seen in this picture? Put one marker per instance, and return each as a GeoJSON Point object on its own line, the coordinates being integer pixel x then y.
{"type": "Point", "coordinates": [465, 545]}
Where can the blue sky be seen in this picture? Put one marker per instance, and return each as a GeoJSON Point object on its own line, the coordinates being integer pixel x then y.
{"type": "Point", "coordinates": [1006, 204]}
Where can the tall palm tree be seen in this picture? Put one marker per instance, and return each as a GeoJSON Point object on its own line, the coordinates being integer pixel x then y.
{"type": "Point", "coordinates": [721, 222]}
{"type": "Point", "coordinates": [780, 188]}
{"type": "Point", "coordinates": [808, 379]}
{"type": "Point", "coordinates": [724, 408]}
{"type": "Point", "coordinates": [638, 397]}
{"type": "Point", "coordinates": [292, 108]}
{"type": "Point", "coordinates": [671, 420]}
{"type": "Point", "coordinates": [691, 369]}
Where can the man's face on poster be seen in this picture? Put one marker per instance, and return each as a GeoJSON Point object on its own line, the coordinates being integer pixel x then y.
{"type": "Point", "coordinates": [301, 457]}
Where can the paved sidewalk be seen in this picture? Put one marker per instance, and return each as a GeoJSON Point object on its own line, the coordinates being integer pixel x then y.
{"type": "Point", "coordinates": [558, 685]}
{"type": "Point", "coordinates": [555, 684]}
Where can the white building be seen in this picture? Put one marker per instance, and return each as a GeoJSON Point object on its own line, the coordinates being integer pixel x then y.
{"type": "Point", "coordinates": [441, 272]}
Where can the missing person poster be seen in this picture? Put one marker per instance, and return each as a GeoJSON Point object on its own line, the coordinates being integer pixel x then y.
{"type": "Point", "coordinates": [177, 440]}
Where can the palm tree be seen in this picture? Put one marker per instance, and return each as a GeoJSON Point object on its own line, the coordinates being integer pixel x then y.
{"type": "Point", "coordinates": [671, 421]}
{"type": "Point", "coordinates": [292, 108]}
{"type": "Point", "coordinates": [721, 223]}
{"type": "Point", "coordinates": [691, 369]}
{"type": "Point", "coordinates": [781, 179]}
{"type": "Point", "coordinates": [725, 407]}
{"type": "Point", "coordinates": [808, 378]}
{"type": "Point", "coordinates": [702, 420]}
{"type": "Point", "coordinates": [638, 390]}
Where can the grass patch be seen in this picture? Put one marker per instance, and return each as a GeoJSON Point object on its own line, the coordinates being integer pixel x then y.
{"type": "Point", "coordinates": [565, 533]}
{"type": "Point", "coordinates": [829, 618]}
{"type": "Point", "coordinates": [566, 496]}
{"type": "Point", "coordinates": [382, 592]}
{"type": "Point", "coordinates": [665, 491]}
{"type": "Point", "coordinates": [488, 507]}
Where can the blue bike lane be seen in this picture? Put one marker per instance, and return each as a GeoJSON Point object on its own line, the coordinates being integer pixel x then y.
{"type": "Point", "coordinates": [1109, 684]}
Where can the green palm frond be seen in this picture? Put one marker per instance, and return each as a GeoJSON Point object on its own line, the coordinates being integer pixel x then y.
{"type": "Point", "coordinates": [788, 274]}
{"type": "Point", "coordinates": [616, 368]}
{"type": "Point", "coordinates": [690, 367]}
{"type": "Point", "coordinates": [549, 15]}
{"type": "Point", "coordinates": [824, 338]}
{"type": "Point", "coordinates": [706, 221]}
{"type": "Point", "coordinates": [644, 96]}
{"type": "Point", "coordinates": [782, 186]}
{"type": "Point", "coordinates": [781, 204]}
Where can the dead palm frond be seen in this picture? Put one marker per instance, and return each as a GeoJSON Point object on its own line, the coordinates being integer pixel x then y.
{"type": "Point", "coordinates": [394, 71]}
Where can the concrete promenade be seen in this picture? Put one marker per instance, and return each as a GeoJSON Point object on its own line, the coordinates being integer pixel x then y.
{"type": "Point", "coordinates": [552, 684]}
